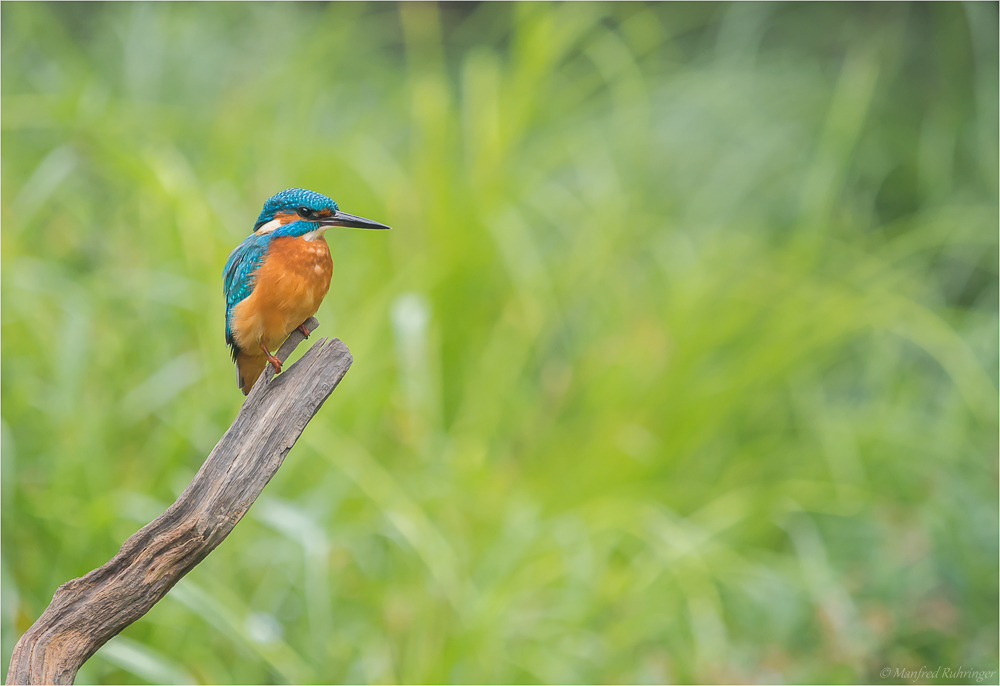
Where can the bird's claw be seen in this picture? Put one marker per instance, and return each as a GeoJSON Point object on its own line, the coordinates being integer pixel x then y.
{"type": "Point", "coordinates": [304, 330]}
{"type": "Point", "coordinates": [275, 362]}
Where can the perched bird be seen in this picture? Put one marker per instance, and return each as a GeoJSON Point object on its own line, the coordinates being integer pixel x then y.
{"type": "Point", "coordinates": [277, 278]}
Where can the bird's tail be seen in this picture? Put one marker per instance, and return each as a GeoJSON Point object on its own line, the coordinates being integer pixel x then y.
{"type": "Point", "coordinates": [248, 368]}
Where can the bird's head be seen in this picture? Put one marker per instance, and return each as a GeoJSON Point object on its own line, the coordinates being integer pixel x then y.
{"type": "Point", "coordinates": [297, 212]}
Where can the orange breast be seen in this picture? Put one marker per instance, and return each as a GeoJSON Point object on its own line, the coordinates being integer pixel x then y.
{"type": "Point", "coordinates": [291, 284]}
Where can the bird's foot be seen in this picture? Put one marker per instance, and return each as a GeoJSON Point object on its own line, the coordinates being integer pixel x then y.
{"type": "Point", "coordinates": [304, 330]}
{"type": "Point", "coordinates": [275, 362]}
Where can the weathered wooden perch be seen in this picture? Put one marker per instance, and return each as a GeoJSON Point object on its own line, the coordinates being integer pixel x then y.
{"type": "Point", "coordinates": [86, 612]}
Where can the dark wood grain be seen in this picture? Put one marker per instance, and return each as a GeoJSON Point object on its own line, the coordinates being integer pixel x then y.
{"type": "Point", "coordinates": [86, 612]}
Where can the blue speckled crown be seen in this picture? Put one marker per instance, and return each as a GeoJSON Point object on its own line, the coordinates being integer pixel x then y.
{"type": "Point", "coordinates": [291, 198]}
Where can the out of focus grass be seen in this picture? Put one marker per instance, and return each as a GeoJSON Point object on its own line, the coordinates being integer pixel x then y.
{"type": "Point", "coordinates": [679, 365]}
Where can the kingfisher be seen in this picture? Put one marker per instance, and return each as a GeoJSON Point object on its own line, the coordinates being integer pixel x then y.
{"type": "Point", "coordinates": [278, 276]}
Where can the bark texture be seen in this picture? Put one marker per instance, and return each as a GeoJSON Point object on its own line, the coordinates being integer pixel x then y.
{"type": "Point", "coordinates": [86, 612]}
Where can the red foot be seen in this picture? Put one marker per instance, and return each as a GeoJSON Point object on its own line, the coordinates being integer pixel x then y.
{"type": "Point", "coordinates": [304, 330]}
{"type": "Point", "coordinates": [275, 362]}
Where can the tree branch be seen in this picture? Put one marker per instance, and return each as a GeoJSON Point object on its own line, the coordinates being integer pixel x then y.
{"type": "Point", "coordinates": [86, 612]}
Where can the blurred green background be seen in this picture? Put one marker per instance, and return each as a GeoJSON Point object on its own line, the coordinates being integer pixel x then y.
{"type": "Point", "coordinates": [680, 364]}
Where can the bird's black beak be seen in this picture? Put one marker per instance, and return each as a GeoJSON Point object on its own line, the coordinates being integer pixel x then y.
{"type": "Point", "coordinates": [351, 221]}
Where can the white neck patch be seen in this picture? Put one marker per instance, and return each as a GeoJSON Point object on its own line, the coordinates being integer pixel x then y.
{"type": "Point", "coordinates": [270, 226]}
{"type": "Point", "coordinates": [276, 224]}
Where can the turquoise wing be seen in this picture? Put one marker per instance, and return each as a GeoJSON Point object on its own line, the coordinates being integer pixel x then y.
{"type": "Point", "coordinates": [239, 277]}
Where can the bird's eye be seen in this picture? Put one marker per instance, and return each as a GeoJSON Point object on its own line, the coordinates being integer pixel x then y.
{"type": "Point", "coordinates": [306, 212]}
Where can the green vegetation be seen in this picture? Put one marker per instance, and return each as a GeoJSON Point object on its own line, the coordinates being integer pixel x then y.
{"type": "Point", "coordinates": [680, 364]}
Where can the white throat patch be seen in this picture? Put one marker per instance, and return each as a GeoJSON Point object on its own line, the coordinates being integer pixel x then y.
{"type": "Point", "coordinates": [316, 234]}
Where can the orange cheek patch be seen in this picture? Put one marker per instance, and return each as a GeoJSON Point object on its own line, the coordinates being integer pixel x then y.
{"type": "Point", "coordinates": [287, 218]}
